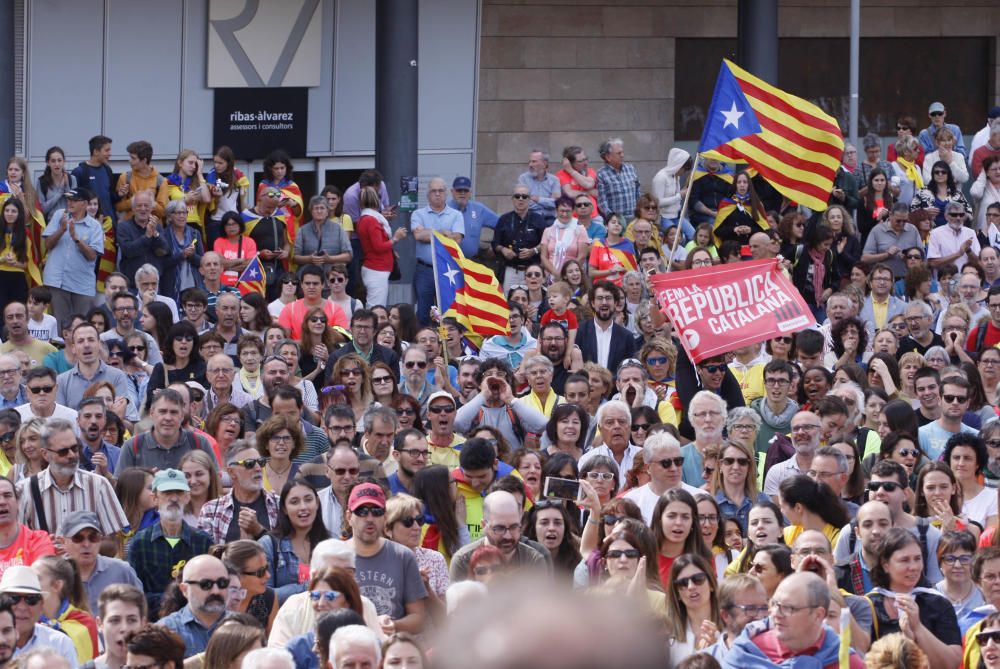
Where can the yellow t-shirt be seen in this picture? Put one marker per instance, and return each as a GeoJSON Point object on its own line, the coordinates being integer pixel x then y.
{"type": "Point", "coordinates": [880, 312]}
{"type": "Point", "coordinates": [792, 532]}
{"type": "Point", "coordinates": [751, 381]}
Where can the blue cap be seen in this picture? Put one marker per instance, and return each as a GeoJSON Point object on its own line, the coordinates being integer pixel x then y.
{"type": "Point", "coordinates": [462, 183]}
{"type": "Point", "coordinates": [994, 113]}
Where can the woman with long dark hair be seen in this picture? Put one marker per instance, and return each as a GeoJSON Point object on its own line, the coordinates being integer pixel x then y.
{"type": "Point", "coordinates": [14, 255]}
{"type": "Point", "coordinates": [938, 193]}
{"type": "Point", "coordinates": [675, 529]}
{"type": "Point", "coordinates": [229, 188]}
{"type": "Point", "coordinates": [747, 215]}
{"type": "Point", "coordinates": [156, 321]}
{"type": "Point", "coordinates": [813, 269]}
{"type": "Point", "coordinates": [692, 606]}
{"type": "Point", "coordinates": [877, 201]}
{"type": "Point", "coordinates": [52, 185]}
{"type": "Point", "coordinates": [444, 511]}
{"type": "Point", "coordinates": [550, 523]}
{"type": "Point", "coordinates": [811, 505]}
{"type": "Point", "coordinates": [290, 544]}
{"type": "Point", "coordinates": [181, 360]}
{"type": "Point", "coordinates": [403, 317]}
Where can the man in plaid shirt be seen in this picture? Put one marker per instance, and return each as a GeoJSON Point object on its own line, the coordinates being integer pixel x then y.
{"type": "Point", "coordinates": [246, 512]}
{"type": "Point", "coordinates": [158, 552]}
{"type": "Point", "coordinates": [617, 182]}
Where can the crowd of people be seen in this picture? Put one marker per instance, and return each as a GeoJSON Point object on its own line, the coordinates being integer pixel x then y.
{"type": "Point", "coordinates": [310, 477]}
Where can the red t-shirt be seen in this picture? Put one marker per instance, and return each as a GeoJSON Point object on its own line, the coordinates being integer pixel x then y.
{"type": "Point", "coordinates": [567, 178]}
{"type": "Point", "coordinates": [230, 251]}
{"type": "Point", "coordinates": [567, 318]}
{"type": "Point", "coordinates": [27, 547]}
{"type": "Point", "coordinates": [992, 337]}
{"type": "Point", "coordinates": [664, 564]}
{"type": "Point", "coordinates": [292, 314]}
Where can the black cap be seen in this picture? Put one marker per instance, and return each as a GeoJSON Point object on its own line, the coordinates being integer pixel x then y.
{"type": "Point", "coordinates": [80, 193]}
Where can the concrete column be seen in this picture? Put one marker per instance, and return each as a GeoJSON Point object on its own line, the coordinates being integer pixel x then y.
{"type": "Point", "coordinates": [757, 38]}
{"type": "Point", "coordinates": [7, 75]}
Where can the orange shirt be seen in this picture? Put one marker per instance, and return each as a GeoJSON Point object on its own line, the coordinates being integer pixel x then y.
{"type": "Point", "coordinates": [292, 314]}
{"type": "Point", "coordinates": [27, 547]}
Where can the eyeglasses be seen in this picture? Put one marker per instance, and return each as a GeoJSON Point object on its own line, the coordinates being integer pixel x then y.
{"type": "Point", "coordinates": [890, 486]}
{"type": "Point", "coordinates": [952, 399]}
{"type": "Point", "coordinates": [410, 364]}
{"type": "Point", "coordinates": [221, 370]}
{"type": "Point", "coordinates": [630, 553]}
{"type": "Point", "coordinates": [353, 371]}
{"type": "Point", "coordinates": [9, 372]}
{"type": "Point", "coordinates": [520, 196]}
{"type": "Point", "coordinates": [42, 390]}
{"type": "Point", "coordinates": [328, 595]}
{"type": "Point", "coordinates": [809, 427]}
{"type": "Point", "coordinates": [338, 279]}
{"type": "Point", "coordinates": [501, 530]}
{"type": "Point", "coordinates": [533, 275]}
{"type": "Point", "coordinates": [365, 511]}
{"type": "Point", "coordinates": [786, 609]}
{"type": "Point", "coordinates": [776, 382]}
{"type": "Point", "coordinates": [666, 463]}
{"type": "Point", "coordinates": [745, 427]}
{"type": "Point", "coordinates": [581, 205]}
{"type": "Point", "coordinates": [281, 439]}
{"type": "Point", "coordinates": [287, 282]}
{"type": "Point", "coordinates": [62, 452]}
{"type": "Point", "coordinates": [708, 518]}
{"type": "Point", "coordinates": [232, 419]}
{"type": "Point", "coordinates": [341, 471]}
{"type": "Point", "coordinates": [406, 411]}
{"type": "Point", "coordinates": [751, 609]}
{"type": "Point", "coordinates": [184, 337]}
{"type": "Point", "coordinates": [729, 462]}
{"type": "Point", "coordinates": [600, 476]}
{"type": "Point", "coordinates": [124, 310]}
{"type": "Point", "coordinates": [136, 349]}
{"type": "Point", "coordinates": [640, 426]}
{"type": "Point", "coordinates": [662, 360]}
{"type": "Point", "coordinates": [89, 537]}
{"type": "Point", "coordinates": [711, 413]}
{"type": "Point", "coordinates": [964, 560]}
{"type": "Point", "coordinates": [250, 463]}
{"type": "Point", "coordinates": [694, 579]}
{"type": "Point", "coordinates": [416, 452]}
{"type": "Point", "coordinates": [410, 520]}
{"type": "Point", "coordinates": [207, 584]}
{"type": "Point", "coordinates": [440, 408]}
{"type": "Point", "coordinates": [258, 573]}
{"type": "Point", "coordinates": [983, 638]}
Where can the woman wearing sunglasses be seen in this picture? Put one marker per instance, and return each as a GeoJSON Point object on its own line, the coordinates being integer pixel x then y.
{"type": "Point", "coordinates": [692, 606]}
{"type": "Point", "coordinates": [329, 590]}
{"type": "Point", "coordinates": [352, 372]}
{"type": "Point", "coordinates": [404, 523]}
{"type": "Point", "coordinates": [900, 447]}
{"type": "Point", "coordinates": [181, 360]}
{"type": "Point", "coordinates": [928, 619]}
{"type": "Point", "coordinates": [626, 562]}
{"type": "Point", "coordinates": [250, 561]}
{"type": "Point", "coordinates": [318, 342]}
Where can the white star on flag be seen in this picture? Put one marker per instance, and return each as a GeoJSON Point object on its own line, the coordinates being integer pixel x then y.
{"type": "Point", "coordinates": [732, 117]}
{"type": "Point", "coordinates": [451, 275]}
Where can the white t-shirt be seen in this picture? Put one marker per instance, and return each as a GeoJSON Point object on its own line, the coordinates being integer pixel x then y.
{"type": "Point", "coordinates": [646, 500]}
{"type": "Point", "coordinates": [46, 329]}
{"type": "Point", "coordinates": [60, 411]}
{"type": "Point", "coordinates": [981, 507]}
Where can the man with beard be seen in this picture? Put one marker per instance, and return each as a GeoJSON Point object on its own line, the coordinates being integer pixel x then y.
{"type": "Point", "coordinates": [274, 372]}
{"type": "Point", "coordinates": [386, 572]}
{"type": "Point", "coordinates": [707, 413]}
{"type": "Point", "coordinates": [205, 584]}
{"type": "Point", "coordinates": [80, 538]}
{"type": "Point", "coordinates": [45, 499]}
{"type": "Point", "coordinates": [501, 530]}
{"type": "Point", "coordinates": [806, 432]}
{"type": "Point", "coordinates": [21, 593]}
{"type": "Point", "coordinates": [363, 343]}
{"type": "Point", "coordinates": [98, 455]}
{"type": "Point", "coordinates": [468, 368]}
{"type": "Point", "coordinates": [247, 511]}
{"type": "Point", "coordinates": [168, 441]}
{"type": "Point", "coordinates": [411, 453]}
{"type": "Point", "coordinates": [494, 405]}
{"type": "Point", "coordinates": [8, 634]}
{"type": "Point", "coordinates": [157, 549]}
{"type": "Point", "coordinates": [600, 339]}
{"type": "Point", "coordinates": [121, 611]}
{"type": "Point", "coordinates": [552, 342]}
{"type": "Point", "coordinates": [661, 454]}
{"type": "Point", "coordinates": [21, 544]}
{"type": "Point", "coordinates": [125, 307]}
{"type": "Point", "coordinates": [12, 393]}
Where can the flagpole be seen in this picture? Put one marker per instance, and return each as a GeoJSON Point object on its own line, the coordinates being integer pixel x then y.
{"type": "Point", "coordinates": [437, 297]}
{"type": "Point", "coordinates": [680, 217]}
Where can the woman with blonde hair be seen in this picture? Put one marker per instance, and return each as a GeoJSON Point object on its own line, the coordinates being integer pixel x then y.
{"type": "Point", "coordinates": [404, 523]}
{"type": "Point", "coordinates": [28, 457]}
{"type": "Point", "coordinates": [187, 183]}
{"type": "Point", "coordinates": [202, 474]}
{"type": "Point", "coordinates": [895, 651]}
{"type": "Point", "coordinates": [909, 363]}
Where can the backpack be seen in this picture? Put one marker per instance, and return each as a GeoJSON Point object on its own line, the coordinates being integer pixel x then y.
{"type": "Point", "coordinates": [515, 423]}
{"type": "Point", "coordinates": [922, 526]}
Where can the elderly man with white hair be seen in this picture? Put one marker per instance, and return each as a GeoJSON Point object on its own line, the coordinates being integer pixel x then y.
{"type": "Point", "coordinates": [268, 658]}
{"type": "Point", "coordinates": [707, 415]}
{"type": "Point", "coordinates": [296, 615]}
{"type": "Point", "coordinates": [355, 647]}
{"type": "Point", "coordinates": [662, 455]}
{"type": "Point", "coordinates": [614, 420]}
{"type": "Point", "coordinates": [147, 285]}
{"type": "Point", "coordinates": [953, 243]}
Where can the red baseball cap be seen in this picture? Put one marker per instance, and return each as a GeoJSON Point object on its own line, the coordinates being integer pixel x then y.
{"type": "Point", "coordinates": [366, 494]}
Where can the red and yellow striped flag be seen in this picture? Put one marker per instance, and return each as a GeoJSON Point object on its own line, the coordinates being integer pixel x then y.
{"type": "Point", "coordinates": [791, 142]}
{"type": "Point", "coordinates": [468, 291]}
{"type": "Point", "coordinates": [108, 262]}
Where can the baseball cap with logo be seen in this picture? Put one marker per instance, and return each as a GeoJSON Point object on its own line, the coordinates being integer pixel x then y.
{"type": "Point", "coordinates": [366, 494]}
{"type": "Point", "coordinates": [170, 479]}
{"type": "Point", "coordinates": [462, 183]}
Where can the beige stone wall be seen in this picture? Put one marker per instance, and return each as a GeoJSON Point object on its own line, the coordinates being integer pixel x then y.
{"type": "Point", "coordinates": [560, 72]}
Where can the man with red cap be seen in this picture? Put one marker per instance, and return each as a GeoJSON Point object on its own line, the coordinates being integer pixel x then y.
{"type": "Point", "coordinates": [386, 572]}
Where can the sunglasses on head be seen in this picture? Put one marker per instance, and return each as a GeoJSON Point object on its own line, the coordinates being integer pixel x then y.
{"type": "Point", "coordinates": [365, 511]}
{"type": "Point", "coordinates": [207, 584]}
{"type": "Point", "coordinates": [890, 486]}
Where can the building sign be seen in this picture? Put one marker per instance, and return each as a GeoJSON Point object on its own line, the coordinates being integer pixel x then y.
{"type": "Point", "coordinates": [255, 121]}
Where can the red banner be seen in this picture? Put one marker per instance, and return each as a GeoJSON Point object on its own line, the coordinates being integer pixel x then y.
{"type": "Point", "coordinates": [721, 308]}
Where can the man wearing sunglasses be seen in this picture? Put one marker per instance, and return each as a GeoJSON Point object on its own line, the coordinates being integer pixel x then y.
{"type": "Point", "coordinates": [888, 484]}
{"type": "Point", "coordinates": [311, 282]}
{"type": "Point", "coordinates": [387, 572]}
{"type": "Point", "coordinates": [205, 584]}
{"type": "Point", "coordinates": [46, 499]}
{"type": "Point", "coordinates": [20, 588]}
{"type": "Point", "coordinates": [40, 384]}
{"type": "Point", "coordinates": [80, 538]}
{"type": "Point", "coordinates": [933, 436]}
{"type": "Point", "coordinates": [664, 463]}
{"type": "Point", "coordinates": [518, 234]}
{"type": "Point", "coordinates": [246, 511]}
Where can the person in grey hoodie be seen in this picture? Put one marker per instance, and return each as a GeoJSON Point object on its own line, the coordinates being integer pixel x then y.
{"type": "Point", "coordinates": [776, 408]}
{"type": "Point", "coordinates": [669, 190]}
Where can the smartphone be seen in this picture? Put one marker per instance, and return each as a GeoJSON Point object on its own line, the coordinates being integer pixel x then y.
{"type": "Point", "coordinates": [557, 488]}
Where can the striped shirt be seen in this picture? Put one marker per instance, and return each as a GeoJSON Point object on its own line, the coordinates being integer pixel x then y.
{"type": "Point", "coordinates": [87, 491]}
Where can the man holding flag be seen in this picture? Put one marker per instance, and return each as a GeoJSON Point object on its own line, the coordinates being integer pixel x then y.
{"type": "Point", "coordinates": [437, 216]}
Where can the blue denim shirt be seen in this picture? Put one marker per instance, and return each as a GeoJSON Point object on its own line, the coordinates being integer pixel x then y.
{"type": "Point", "coordinates": [741, 513]}
{"type": "Point", "coordinates": [284, 577]}
{"type": "Point", "coordinates": [194, 634]}
{"type": "Point", "coordinates": [301, 648]}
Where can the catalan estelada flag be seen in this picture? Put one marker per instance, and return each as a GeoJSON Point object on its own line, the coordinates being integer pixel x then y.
{"type": "Point", "coordinates": [252, 279]}
{"type": "Point", "coordinates": [467, 290]}
{"type": "Point", "coordinates": [791, 142]}
{"type": "Point", "coordinates": [726, 207]}
{"type": "Point", "coordinates": [108, 262]}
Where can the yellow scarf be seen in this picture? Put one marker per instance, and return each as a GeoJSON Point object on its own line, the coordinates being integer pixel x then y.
{"type": "Point", "coordinates": [550, 402]}
{"type": "Point", "coordinates": [912, 173]}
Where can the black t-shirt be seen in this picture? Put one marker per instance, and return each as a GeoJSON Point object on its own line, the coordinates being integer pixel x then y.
{"type": "Point", "coordinates": [908, 343]}
{"type": "Point", "coordinates": [259, 507]}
